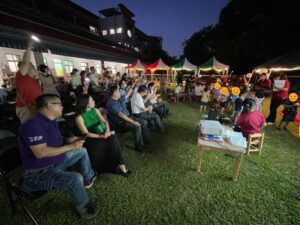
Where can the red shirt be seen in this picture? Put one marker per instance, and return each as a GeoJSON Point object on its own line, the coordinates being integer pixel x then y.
{"type": "Point", "coordinates": [28, 88]}
{"type": "Point", "coordinates": [282, 94]}
{"type": "Point", "coordinates": [251, 122]}
{"type": "Point", "coordinates": [265, 84]}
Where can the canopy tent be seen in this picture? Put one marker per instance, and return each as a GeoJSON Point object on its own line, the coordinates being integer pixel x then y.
{"type": "Point", "coordinates": [184, 64]}
{"type": "Point", "coordinates": [158, 65]}
{"type": "Point", "coordinates": [138, 65]}
{"type": "Point", "coordinates": [286, 62]}
{"type": "Point", "coordinates": [214, 64]}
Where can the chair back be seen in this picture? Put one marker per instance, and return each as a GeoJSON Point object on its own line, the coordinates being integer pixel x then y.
{"type": "Point", "coordinates": [255, 143]}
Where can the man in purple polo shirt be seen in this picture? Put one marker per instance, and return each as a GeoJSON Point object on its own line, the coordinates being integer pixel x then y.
{"type": "Point", "coordinates": [45, 157]}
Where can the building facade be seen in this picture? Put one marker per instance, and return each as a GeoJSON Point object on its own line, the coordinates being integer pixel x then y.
{"type": "Point", "coordinates": [71, 37]}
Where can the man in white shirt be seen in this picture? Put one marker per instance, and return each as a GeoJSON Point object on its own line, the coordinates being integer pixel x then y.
{"type": "Point", "coordinates": [140, 111]}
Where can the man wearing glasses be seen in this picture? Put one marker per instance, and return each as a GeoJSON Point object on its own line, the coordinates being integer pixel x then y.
{"type": "Point", "coordinates": [46, 157]}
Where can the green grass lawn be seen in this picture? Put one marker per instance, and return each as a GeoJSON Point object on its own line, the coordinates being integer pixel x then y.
{"type": "Point", "coordinates": [165, 188]}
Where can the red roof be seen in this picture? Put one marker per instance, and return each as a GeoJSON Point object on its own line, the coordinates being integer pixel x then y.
{"type": "Point", "coordinates": [158, 65]}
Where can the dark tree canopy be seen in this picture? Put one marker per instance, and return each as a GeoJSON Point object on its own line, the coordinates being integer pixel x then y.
{"type": "Point", "coordinates": [248, 33]}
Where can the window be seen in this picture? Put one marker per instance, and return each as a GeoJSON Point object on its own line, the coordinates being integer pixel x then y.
{"type": "Point", "coordinates": [104, 32]}
{"type": "Point", "coordinates": [45, 61]}
{"type": "Point", "coordinates": [84, 66]}
{"type": "Point", "coordinates": [93, 29]}
{"type": "Point", "coordinates": [98, 70]}
{"type": "Point", "coordinates": [69, 65]}
{"type": "Point", "coordinates": [129, 33]}
{"type": "Point", "coordinates": [113, 69]}
{"type": "Point", "coordinates": [13, 61]}
{"type": "Point", "coordinates": [119, 30]}
{"type": "Point", "coordinates": [112, 31]}
{"type": "Point", "coordinates": [58, 67]}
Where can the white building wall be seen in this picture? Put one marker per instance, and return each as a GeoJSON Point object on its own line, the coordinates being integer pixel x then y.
{"type": "Point", "coordinates": [119, 67]}
{"type": "Point", "coordinates": [4, 68]}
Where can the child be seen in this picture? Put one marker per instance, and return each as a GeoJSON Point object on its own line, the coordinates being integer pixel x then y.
{"type": "Point", "coordinates": [204, 99]}
{"type": "Point", "coordinates": [238, 105]}
{"type": "Point", "coordinates": [289, 114]}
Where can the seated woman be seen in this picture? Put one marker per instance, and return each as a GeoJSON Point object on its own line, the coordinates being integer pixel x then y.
{"type": "Point", "coordinates": [250, 121]}
{"type": "Point", "coordinates": [103, 146]}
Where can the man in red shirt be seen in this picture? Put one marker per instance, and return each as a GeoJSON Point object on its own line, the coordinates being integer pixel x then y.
{"type": "Point", "coordinates": [264, 82]}
{"type": "Point", "coordinates": [27, 87]}
{"type": "Point", "coordinates": [278, 98]}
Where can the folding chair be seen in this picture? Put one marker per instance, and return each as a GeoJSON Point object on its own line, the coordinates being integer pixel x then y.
{"type": "Point", "coordinates": [10, 160]}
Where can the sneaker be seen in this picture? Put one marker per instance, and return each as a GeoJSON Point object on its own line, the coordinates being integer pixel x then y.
{"type": "Point", "coordinates": [89, 183]}
{"type": "Point", "coordinates": [88, 212]}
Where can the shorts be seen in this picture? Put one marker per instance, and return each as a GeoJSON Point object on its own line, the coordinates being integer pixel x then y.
{"type": "Point", "coordinates": [204, 103]}
{"type": "Point", "coordinates": [289, 117]}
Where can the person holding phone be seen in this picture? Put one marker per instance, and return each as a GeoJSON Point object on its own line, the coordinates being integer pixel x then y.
{"type": "Point", "coordinates": [103, 147]}
{"type": "Point", "coordinates": [46, 157]}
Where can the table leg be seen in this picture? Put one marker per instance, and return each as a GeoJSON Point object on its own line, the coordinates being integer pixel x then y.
{"type": "Point", "coordinates": [199, 159]}
{"type": "Point", "coordinates": [237, 167]}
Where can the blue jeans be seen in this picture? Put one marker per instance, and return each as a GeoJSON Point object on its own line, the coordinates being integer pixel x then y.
{"type": "Point", "coordinates": [56, 178]}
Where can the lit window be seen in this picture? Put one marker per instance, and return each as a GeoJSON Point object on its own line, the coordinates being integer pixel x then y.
{"type": "Point", "coordinates": [84, 66]}
{"type": "Point", "coordinates": [93, 29]}
{"type": "Point", "coordinates": [113, 69]}
{"type": "Point", "coordinates": [104, 32]}
{"type": "Point", "coordinates": [98, 69]}
{"type": "Point", "coordinates": [112, 31]}
{"type": "Point", "coordinates": [129, 33]}
{"type": "Point", "coordinates": [58, 67]}
{"type": "Point", "coordinates": [13, 61]}
{"type": "Point", "coordinates": [136, 49]}
{"type": "Point", "coordinates": [119, 30]}
{"type": "Point", "coordinates": [69, 65]}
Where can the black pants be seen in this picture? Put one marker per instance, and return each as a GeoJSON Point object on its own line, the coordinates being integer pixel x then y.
{"type": "Point", "coordinates": [140, 133]}
{"type": "Point", "coordinates": [275, 102]}
{"type": "Point", "coordinates": [105, 154]}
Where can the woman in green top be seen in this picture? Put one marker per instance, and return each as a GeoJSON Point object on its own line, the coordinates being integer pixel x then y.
{"type": "Point", "coordinates": [103, 147]}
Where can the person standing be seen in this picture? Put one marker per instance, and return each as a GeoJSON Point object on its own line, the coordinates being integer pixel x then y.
{"type": "Point", "coordinates": [47, 80]}
{"type": "Point", "coordinates": [27, 87]}
{"type": "Point", "coordinates": [278, 97]}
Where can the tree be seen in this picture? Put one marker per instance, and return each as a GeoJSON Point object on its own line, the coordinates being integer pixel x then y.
{"type": "Point", "coordinates": [248, 33]}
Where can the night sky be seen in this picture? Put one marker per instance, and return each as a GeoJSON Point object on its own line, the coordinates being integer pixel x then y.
{"type": "Point", "coordinates": [173, 20]}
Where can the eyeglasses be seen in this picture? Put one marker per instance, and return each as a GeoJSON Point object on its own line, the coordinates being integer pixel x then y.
{"type": "Point", "coordinates": [55, 103]}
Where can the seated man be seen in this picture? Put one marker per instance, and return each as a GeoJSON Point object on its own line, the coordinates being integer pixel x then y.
{"type": "Point", "coordinates": [140, 111]}
{"type": "Point", "coordinates": [45, 157]}
{"type": "Point", "coordinates": [123, 122]}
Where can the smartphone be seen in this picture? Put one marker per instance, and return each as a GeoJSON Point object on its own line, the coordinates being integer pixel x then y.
{"type": "Point", "coordinates": [83, 137]}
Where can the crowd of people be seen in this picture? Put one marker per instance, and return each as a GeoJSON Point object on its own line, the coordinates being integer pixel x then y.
{"type": "Point", "coordinates": [108, 105]}
{"type": "Point", "coordinates": [104, 107]}
{"type": "Point", "coordinates": [246, 105]}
